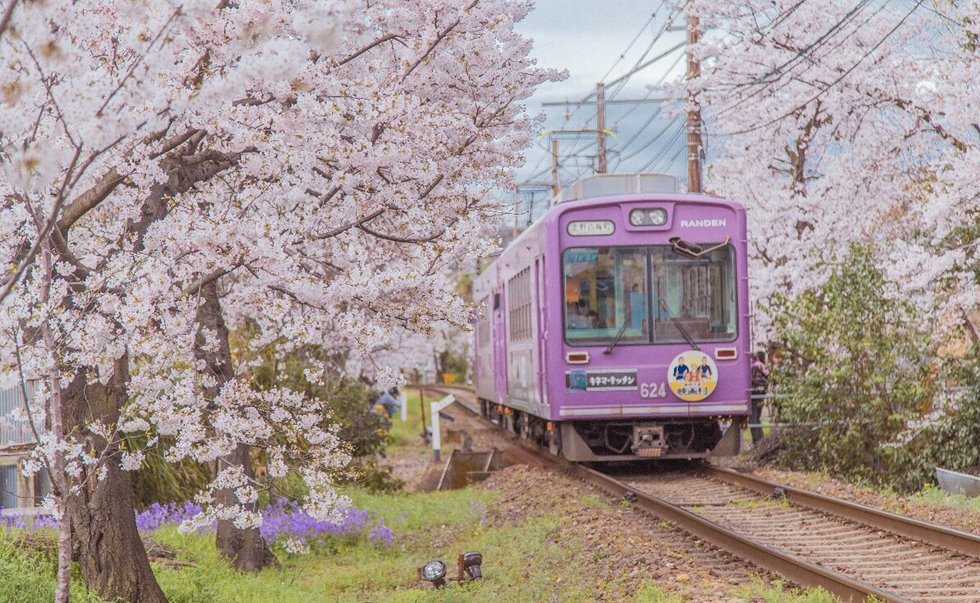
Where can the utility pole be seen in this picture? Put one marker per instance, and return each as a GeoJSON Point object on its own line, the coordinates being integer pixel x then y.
{"type": "Point", "coordinates": [694, 115]}
{"type": "Point", "coordinates": [517, 205]}
{"type": "Point", "coordinates": [555, 184]}
{"type": "Point", "coordinates": [600, 126]}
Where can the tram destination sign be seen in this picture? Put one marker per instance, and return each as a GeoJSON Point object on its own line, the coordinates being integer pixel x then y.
{"type": "Point", "coordinates": [590, 228]}
{"type": "Point", "coordinates": [602, 380]}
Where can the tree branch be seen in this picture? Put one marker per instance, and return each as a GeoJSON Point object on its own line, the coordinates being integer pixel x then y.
{"type": "Point", "coordinates": [8, 14]}
{"type": "Point", "coordinates": [439, 39]}
{"type": "Point", "coordinates": [175, 142]}
{"type": "Point", "coordinates": [377, 42]}
{"type": "Point", "coordinates": [346, 227]}
{"type": "Point", "coordinates": [136, 63]}
{"type": "Point", "coordinates": [88, 200]}
{"type": "Point", "coordinates": [395, 239]}
{"type": "Point", "coordinates": [207, 279]}
{"type": "Point", "coordinates": [42, 234]}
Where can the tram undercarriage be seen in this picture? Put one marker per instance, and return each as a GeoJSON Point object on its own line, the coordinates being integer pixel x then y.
{"type": "Point", "coordinates": [591, 441]}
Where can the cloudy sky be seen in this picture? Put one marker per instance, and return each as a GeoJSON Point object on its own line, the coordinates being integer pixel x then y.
{"type": "Point", "coordinates": [596, 40]}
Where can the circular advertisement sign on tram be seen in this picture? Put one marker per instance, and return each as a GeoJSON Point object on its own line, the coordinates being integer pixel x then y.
{"type": "Point", "coordinates": [692, 376]}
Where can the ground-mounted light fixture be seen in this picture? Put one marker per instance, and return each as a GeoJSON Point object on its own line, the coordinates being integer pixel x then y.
{"type": "Point", "coordinates": [469, 566]}
{"type": "Point", "coordinates": [434, 572]}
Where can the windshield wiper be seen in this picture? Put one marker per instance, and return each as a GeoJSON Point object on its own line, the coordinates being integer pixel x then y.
{"type": "Point", "coordinates": [622, 330]}
{"type": "Point", "coordinates": [694, 249]}
{"type": "Point", "coordinates": [680, 327]}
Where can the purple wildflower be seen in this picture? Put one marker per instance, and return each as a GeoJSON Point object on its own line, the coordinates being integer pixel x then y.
{"type": "Point", "coordinates": [477, 508]}
{"type": "Point", "coordinates": [281, 520]}
{"type": "Point", "coordinates": [284, 519]}
{"type": "Point", "coordinates": [158, 515]}
{"type": "Point", "coordinates": [381, 535]}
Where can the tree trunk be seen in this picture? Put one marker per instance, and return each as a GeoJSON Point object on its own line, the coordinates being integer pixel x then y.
{"type": "Point", "coordinates": [245, 548]}
{"type": "Point", "coordinates": [107, 544]}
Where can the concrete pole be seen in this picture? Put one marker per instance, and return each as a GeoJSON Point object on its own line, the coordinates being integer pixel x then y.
{"type": "Point", "coordinates": [694, 115]}
{"type": "Point", "coordinates": [600, 126]}
{"type": "Point", "coordinates": [555, 184]}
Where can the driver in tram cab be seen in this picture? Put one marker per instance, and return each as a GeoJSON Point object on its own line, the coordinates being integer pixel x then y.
{"type": "Point", "coordinates": [581, 318]}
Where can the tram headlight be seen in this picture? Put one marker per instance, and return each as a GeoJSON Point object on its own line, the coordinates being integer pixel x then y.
{"type": "Point", "coordinates": [648, 216]}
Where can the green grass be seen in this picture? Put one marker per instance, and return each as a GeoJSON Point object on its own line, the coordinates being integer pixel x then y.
{"type": "Point", "coordinates": [932, 495]}
{"type": "Point", "coordinates": [593, 500]}
{"type": "Point", "coordinates": [28, 578]}
{"type": "Point", "coordinates": [441, 526]}
{"type": "Point", "coordinates": [759, 503]}
{"type": "Point", "coordinates": [436, 525]}
{"type": "Point", "coordinates": [759, 592]}
{"type": "Point", "coordinates": [407, 433]}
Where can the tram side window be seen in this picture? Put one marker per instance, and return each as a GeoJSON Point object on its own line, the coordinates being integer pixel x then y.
{"type": "Point", "coordinates": [605, 292]}
{"type": "Point", "coordinates": [519, 306]}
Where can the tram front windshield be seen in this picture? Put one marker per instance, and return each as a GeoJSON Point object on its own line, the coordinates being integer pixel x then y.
{"type": "Point", "coordinates": [649, 294]}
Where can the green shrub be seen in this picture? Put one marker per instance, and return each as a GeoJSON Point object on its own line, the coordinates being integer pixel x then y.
{"type": "Point", "coordinates": [853, 371]}
{"type": "Point", "coordinates": [947, 437]}
{"type": "Point", "coordinates": [161, 481]}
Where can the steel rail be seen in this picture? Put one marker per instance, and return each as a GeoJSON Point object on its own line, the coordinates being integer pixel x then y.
{"type": "Point", "coordinates": [794, 568]}
{"type": "Point", "coordinates": [923, 531]}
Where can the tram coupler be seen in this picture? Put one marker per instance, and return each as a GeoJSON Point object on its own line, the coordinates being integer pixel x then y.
{"type": "Point", "coordinates": [648, 440]}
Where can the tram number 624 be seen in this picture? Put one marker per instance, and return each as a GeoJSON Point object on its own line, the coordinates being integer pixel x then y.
{"type": "Point", "coordinates": [653, 390]}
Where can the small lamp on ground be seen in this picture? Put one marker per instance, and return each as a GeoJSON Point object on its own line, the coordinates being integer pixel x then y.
{"type": "Point", "coordinates": [434, 572]}
{"type": "Point", "coordinates": [469, 566]}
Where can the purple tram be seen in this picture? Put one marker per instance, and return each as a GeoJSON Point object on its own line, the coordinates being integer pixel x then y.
{"type": "Point", "coordinates": [617, 328]}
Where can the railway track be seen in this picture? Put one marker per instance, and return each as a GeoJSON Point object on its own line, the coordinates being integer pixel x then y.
{"type": "Point", "coordinates": [853, 551]}
{"type": "Point", "coordinates": [850, 550]}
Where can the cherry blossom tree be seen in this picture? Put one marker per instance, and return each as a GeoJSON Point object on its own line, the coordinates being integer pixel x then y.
{"type": "Point", "coordinates": [306, 168]}
{"type": "Point", "coordinates": [840, 122]}
{"type": "Point", "coordinates": [850, 126]}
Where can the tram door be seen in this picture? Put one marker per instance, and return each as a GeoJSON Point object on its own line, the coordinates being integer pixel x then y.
{"type": "Point", "coordinates": [543, 408]}
{"type": "Point", "coordinates": [499, 345]}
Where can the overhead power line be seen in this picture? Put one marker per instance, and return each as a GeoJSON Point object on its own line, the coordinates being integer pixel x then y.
{"type": "Point", "coordinates": [826, 88]}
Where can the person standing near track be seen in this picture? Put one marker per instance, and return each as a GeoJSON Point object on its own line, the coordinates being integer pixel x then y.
{"type": "Point", "coordinates": [760, 386]}
{"type": "Point", "coordinates": [389, 401]}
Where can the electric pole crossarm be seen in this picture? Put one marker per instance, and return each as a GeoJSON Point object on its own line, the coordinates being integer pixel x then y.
{"type": "Point", "coordinates": [632, 101]}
